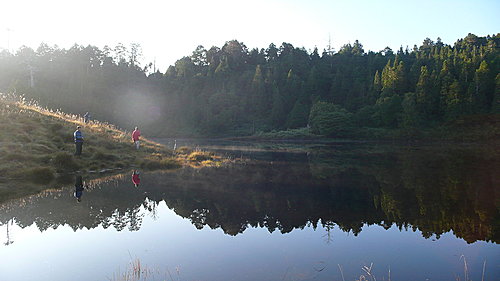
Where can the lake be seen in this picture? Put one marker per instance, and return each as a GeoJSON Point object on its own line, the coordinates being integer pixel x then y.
{"type": "Point", "coordinates": [283, 211]}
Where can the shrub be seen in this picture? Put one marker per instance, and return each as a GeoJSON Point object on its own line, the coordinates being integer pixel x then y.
{"type": "Point", "coordinates": [200, 156]}
{"type": "Point", "coordinates": [329, 119]}
{"type": "Point", "coordinates": [65, 162]}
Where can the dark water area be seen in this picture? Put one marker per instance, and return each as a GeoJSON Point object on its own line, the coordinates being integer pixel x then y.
{"type": "Point", "coordinates": [288, 211]}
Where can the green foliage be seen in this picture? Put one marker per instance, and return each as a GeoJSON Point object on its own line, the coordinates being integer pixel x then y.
{"type": "Point", "coordinates": [364, 117]}
{"type": "Point", "coordinates": [232, 90]}
{"type": "Point", "coordinates": [300, 133]}
{"type": "Point", "coordinates": [298, 116]}
{"type": "Point", "coordinates": [388, 111]}
{"type": "Point", "coordinates": [329, 119]}
{"type": "Point", "coordinates": [410, 117]}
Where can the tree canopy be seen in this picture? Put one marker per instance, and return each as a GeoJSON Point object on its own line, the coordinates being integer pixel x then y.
{"type": "Point", "coordinates": [231, 90]}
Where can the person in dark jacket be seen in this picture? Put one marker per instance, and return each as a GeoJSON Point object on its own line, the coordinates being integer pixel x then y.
{"type": "Point", "coordinates": [78, 188]}
{"type": "Point", "coordinates": [78, 136]}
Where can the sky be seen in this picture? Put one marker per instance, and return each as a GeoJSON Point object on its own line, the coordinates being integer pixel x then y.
{"type": "Point", "coordinates": [169, 30]}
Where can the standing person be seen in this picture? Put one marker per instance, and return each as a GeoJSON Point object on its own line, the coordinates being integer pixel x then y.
{"type": "Point", "coordinates": [86, 117]}
{"type": "Point", "coordinates": [135, 137]}
{"type": "Point", "coordinates": [78, 136]}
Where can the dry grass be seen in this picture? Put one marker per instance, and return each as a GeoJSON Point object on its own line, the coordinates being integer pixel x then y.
{"type": "Point", "coordinates": [136, 271]}
{"type": "Point", "coordinates": [200, 156]}
{"type": "Point", "coordinates": [36, 147]}
{"type": "Point", "coordinates": [34, 140]}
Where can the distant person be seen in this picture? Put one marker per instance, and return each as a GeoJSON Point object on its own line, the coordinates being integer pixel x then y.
{"type": "Point", "coordinates": [86, 117]}
{"type": "Point", "coordinates": [135, 178]}
{"type": "Point", "coordinates": [135, 137]}
{"type": "Point", "coordinates": [78, 136]}
{"type": "Point", "coordinates": [78, 188]}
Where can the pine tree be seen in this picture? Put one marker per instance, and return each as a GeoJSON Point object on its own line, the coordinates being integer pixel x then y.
{"type": "Point", "coordinates": [424, 93]}
{"type": "Point", "coordinates": [484, 88]}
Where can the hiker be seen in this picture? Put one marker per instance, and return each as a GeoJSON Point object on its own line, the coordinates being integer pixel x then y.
{"type": "Point", "coordinates": [78, 188]}
{"type": "Point", "coordinates": [135, 137]}
{"type": "Point", "coordinates": [86, 117]}
{"type": "Point", "coordinates": [78, 136]}
{"type": "Point", "coordinates": [135, 178]}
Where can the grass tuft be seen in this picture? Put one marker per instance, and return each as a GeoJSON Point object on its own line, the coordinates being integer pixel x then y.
{"type": "Point", "coordinates": [101, 156]}
{"type": "Point", "coordinates": [64, 161]}
{"type": "Point", "coordinates": [200, 156]}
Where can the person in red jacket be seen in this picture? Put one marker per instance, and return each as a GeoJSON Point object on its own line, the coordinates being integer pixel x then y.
{"type": "Point", "coordinates": [136, 180]}
{"type": "Point", "coordinates": [135, 137]}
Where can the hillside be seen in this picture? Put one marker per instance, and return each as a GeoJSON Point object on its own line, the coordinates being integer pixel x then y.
{"type": "Point", "coordinates": [36, 149]}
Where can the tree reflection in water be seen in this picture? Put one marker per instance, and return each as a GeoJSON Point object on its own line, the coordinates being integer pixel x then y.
{"type": "Point", "coordinates": [432, 189]}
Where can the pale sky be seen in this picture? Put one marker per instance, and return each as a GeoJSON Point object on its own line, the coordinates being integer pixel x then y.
{"type": "Point", "coordinates": [168, 30]}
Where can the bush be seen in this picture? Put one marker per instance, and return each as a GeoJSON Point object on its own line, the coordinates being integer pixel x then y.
{"type": "Point", "coordinates": [300, 133]}
{"type": "Point", "coordinates": [65, 162]}
{"type": "Point", "coordinates": [329, 119]}
{"type": "Point", "coordinates": [200, 156]}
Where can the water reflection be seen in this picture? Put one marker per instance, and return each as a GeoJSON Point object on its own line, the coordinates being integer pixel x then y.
{"type": "Point", "coordinates": [9, 239]}
{"type": "Point", "coordinates": [78, 188]}
{"type": "Point", "coordinates": [136, 180]}
{"type": "Point", "coordinates": [432, 189]}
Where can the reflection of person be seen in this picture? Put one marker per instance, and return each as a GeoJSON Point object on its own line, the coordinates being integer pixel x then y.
{"type": "Point", "coordinates": [78, 188]}
{"type": "Point", "coordinates": [78, 136]}
{"type": "Point", "coordinates": [135, 178]}
{"type": "Point", "coordinates": [135, 137]}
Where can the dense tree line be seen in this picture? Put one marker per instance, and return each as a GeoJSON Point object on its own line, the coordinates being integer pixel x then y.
{"type": "Point", "coordinates": [234, 90]}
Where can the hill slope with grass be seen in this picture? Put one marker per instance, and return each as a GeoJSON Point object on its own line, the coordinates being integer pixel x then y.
{"type": "Point", "coordinates": [37, 145]}
{"type": "Point", "coordinates": [37, 150]}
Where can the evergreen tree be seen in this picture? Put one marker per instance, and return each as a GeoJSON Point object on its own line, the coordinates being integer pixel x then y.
{"type": "Point", "coordinates": [299, 115]}
{"type": "Point", "coordinates": [484, 88]}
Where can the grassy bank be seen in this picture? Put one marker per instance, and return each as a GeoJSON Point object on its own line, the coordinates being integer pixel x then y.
{"type": "Point", "coordinates": [475, 128]}
{"type": "Point", "coordinates": [36, 148]}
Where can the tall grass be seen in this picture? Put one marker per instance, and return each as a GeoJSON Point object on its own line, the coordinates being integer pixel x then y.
{"type": "Point", "coordinates": [136, 271]}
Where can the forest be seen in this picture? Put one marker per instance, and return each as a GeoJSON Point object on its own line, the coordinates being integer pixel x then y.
{"type": "Point", "coordinates": [234, 91]}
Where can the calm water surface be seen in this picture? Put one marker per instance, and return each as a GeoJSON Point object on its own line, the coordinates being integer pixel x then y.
{"type": "Point", "coordinates": [288, 212]}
